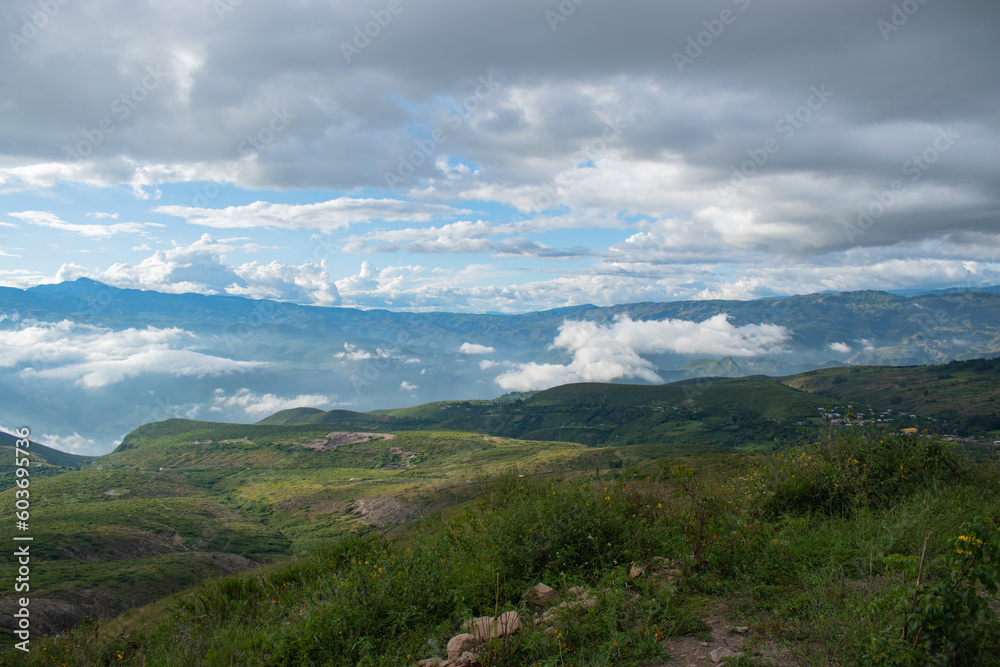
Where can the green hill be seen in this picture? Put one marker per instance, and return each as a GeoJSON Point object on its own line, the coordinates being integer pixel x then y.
{"type": "Point", "coordinates": [963, 396]}
{"type": "Point", "coordinates": [712, 413]}
{"type": "Point", "coordinates": [719, 412]}
{"type": "Point", "coordinates": [807, 556]}
{"type": "Point", "coordinates": [43, 455]}
{"type": "Point", "coordinates": [182, 500]}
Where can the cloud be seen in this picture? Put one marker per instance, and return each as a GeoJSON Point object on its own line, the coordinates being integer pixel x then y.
{"type": "Point", "coordinates": [323, 216]}
{"type": "Point", "coordinates": [406, 386]}
{"type": "Point", "coordinates": [94, 357]}
{"type": "Point", "coordinates": [258, 406]}
{"type": "Point", "coordinates": [602, 353]}
{"type": "Point", "coordinates": [73, 444]}
{"type": "Point", "coordinates": [46, 219]}
{"type": "Point", "coordinates": [353, 353]}
{"type": "Point", "coordinates": [843, 348]}
{"type": "Point", "coordinates": [202, 268]}
{"type": "Point", "coordinates": [476, 348]}
{"type": "Point", "coordinates": [486, 364]}
{"type": "Point", "coordinates": [634, 170]}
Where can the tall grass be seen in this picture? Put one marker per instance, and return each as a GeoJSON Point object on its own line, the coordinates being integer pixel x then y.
{"type": "Point", "coordinates": [798, 545]}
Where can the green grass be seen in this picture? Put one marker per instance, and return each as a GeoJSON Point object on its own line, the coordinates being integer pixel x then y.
{"type": "Point", "coordinates": [161, 513]}
{"type": "Point", "coordinates": [798, 545]}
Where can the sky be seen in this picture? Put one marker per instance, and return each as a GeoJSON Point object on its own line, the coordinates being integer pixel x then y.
{"type": "Point", "coordinates": [500, 156]}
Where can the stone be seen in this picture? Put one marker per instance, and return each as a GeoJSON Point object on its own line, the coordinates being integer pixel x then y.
{"type": "Point", "coordinates": [541, 595]}
{"type": "Point", "coordinates": [485, 628]}
{"type": "Point", "coordinates": [578, 591]}
{"type": "Point", "coordinates": [459, 644]}
{"type": "Point", "coordinates": [723, 652]}
{"type": "Point", "coordinates": [467, 659]}
{"type": "Point", "coordinates": [506, 623]}
{"type": "Point", "coordinates": [741, 629]}
{"type": "Point", "coordinates": [636, 571]}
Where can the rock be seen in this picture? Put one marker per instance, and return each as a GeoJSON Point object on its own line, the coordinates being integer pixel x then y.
{"type": "Point", "coordinates": [541, 595]}
{"type": "Point", "coordinates": [578, 591]}
{"type": "Point", "coordinates": [467, 659]}
{"type": "Point", "coordinates": [723, 652]}
{"type": "Point", "coordinates": [459, 644]}
{"type": "Point", "coordinates": [703, 643]}
{"type": "Point", "coordinates": [506, 623]}
{"type": "Point", "coordinates": [741, 629]}
{"type": "Point", "coordinates": [431, 662]}
{"type": "Point", "coordinates": [479, 627]}
{"type": "Point", "coordinates": [485, 628]}
{"type": "Point", "coordinates": [636, 571]}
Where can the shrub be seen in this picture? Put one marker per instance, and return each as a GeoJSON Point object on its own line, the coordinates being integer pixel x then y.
{"type": "Point", "coordinates": [940, 622]}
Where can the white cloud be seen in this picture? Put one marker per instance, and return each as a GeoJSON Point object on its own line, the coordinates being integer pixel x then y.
{"type": "Point", "coordinates": [73, 444]}
{"type": "Point", "coordinates": [486, 364]}
{"type": "Point", "coordinates": [323, 216]}
{"type": "Point", "coordinates": [406, 386]}
{"type": "Point", "coordinates": [95, 357]}
{"type": "Point", "coordinates": [46, 219]}
{"type": "Point", "coordinates": [602, 353]}
{"type": "Point", "coordinates": [354, 353]}
{"type": "Point", "coordinates": [262, 405]}
{"type": "Point", "coordinates": [476, 348]}
{"type": "Point", "coordinates": [201, 267]}
{"type": "Point", "coordinates": [308, 283]}
{"type": "Point", "coordinates": [843, 348]}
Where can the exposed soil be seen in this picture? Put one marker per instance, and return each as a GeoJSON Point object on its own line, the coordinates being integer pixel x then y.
{"type": "Point", "coordinates": [385, 511]}
{"type": "Point", "coordinates": [691, 651]}
{"type": "Point", "coordinates": [338, 438]}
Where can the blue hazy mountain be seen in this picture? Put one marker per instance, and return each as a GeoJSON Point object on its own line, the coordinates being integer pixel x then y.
{"type": "Point", "coordinates": [86, 363]}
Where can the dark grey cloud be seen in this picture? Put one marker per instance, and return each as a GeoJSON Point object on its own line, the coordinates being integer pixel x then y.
{"type": "Point", "coordinates": [698, 86]}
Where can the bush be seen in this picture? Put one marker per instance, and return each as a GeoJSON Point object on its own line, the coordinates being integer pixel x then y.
{"type": "Point", "coordinates": [940, 616]}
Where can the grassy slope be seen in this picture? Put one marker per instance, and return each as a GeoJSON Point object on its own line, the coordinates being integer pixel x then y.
{"type": "Point", "coordinates": [714, 413]}
{"type": "Point", "coordinates": [796, 546]}
{"type": "Point", "coordinates": [160, 513]}
{"type": "Point", "coordinates": [962, 392]}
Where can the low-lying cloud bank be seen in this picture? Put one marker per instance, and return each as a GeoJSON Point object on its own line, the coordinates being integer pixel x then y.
{"type": "Point", "coordinates": [94, 357]}
{"type": "Point", "coordinates": [602, 353]}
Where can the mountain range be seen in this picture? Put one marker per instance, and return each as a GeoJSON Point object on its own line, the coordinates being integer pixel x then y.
{"type": "Point", "coordinates": [84, 363]}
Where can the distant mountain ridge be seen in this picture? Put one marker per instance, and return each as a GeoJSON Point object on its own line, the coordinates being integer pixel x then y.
{"type": "Point", "coordinates": [271, 353]}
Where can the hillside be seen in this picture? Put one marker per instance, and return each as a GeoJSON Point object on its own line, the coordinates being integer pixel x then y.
{"type": "Point", "coordinates": [182, 500]}
{"type": "Point", "coordinates": [42, 455]}
{"type": "Point", "coordinates": [807, 556]}
{"type": "Point", "coordinates": [963, 395]}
